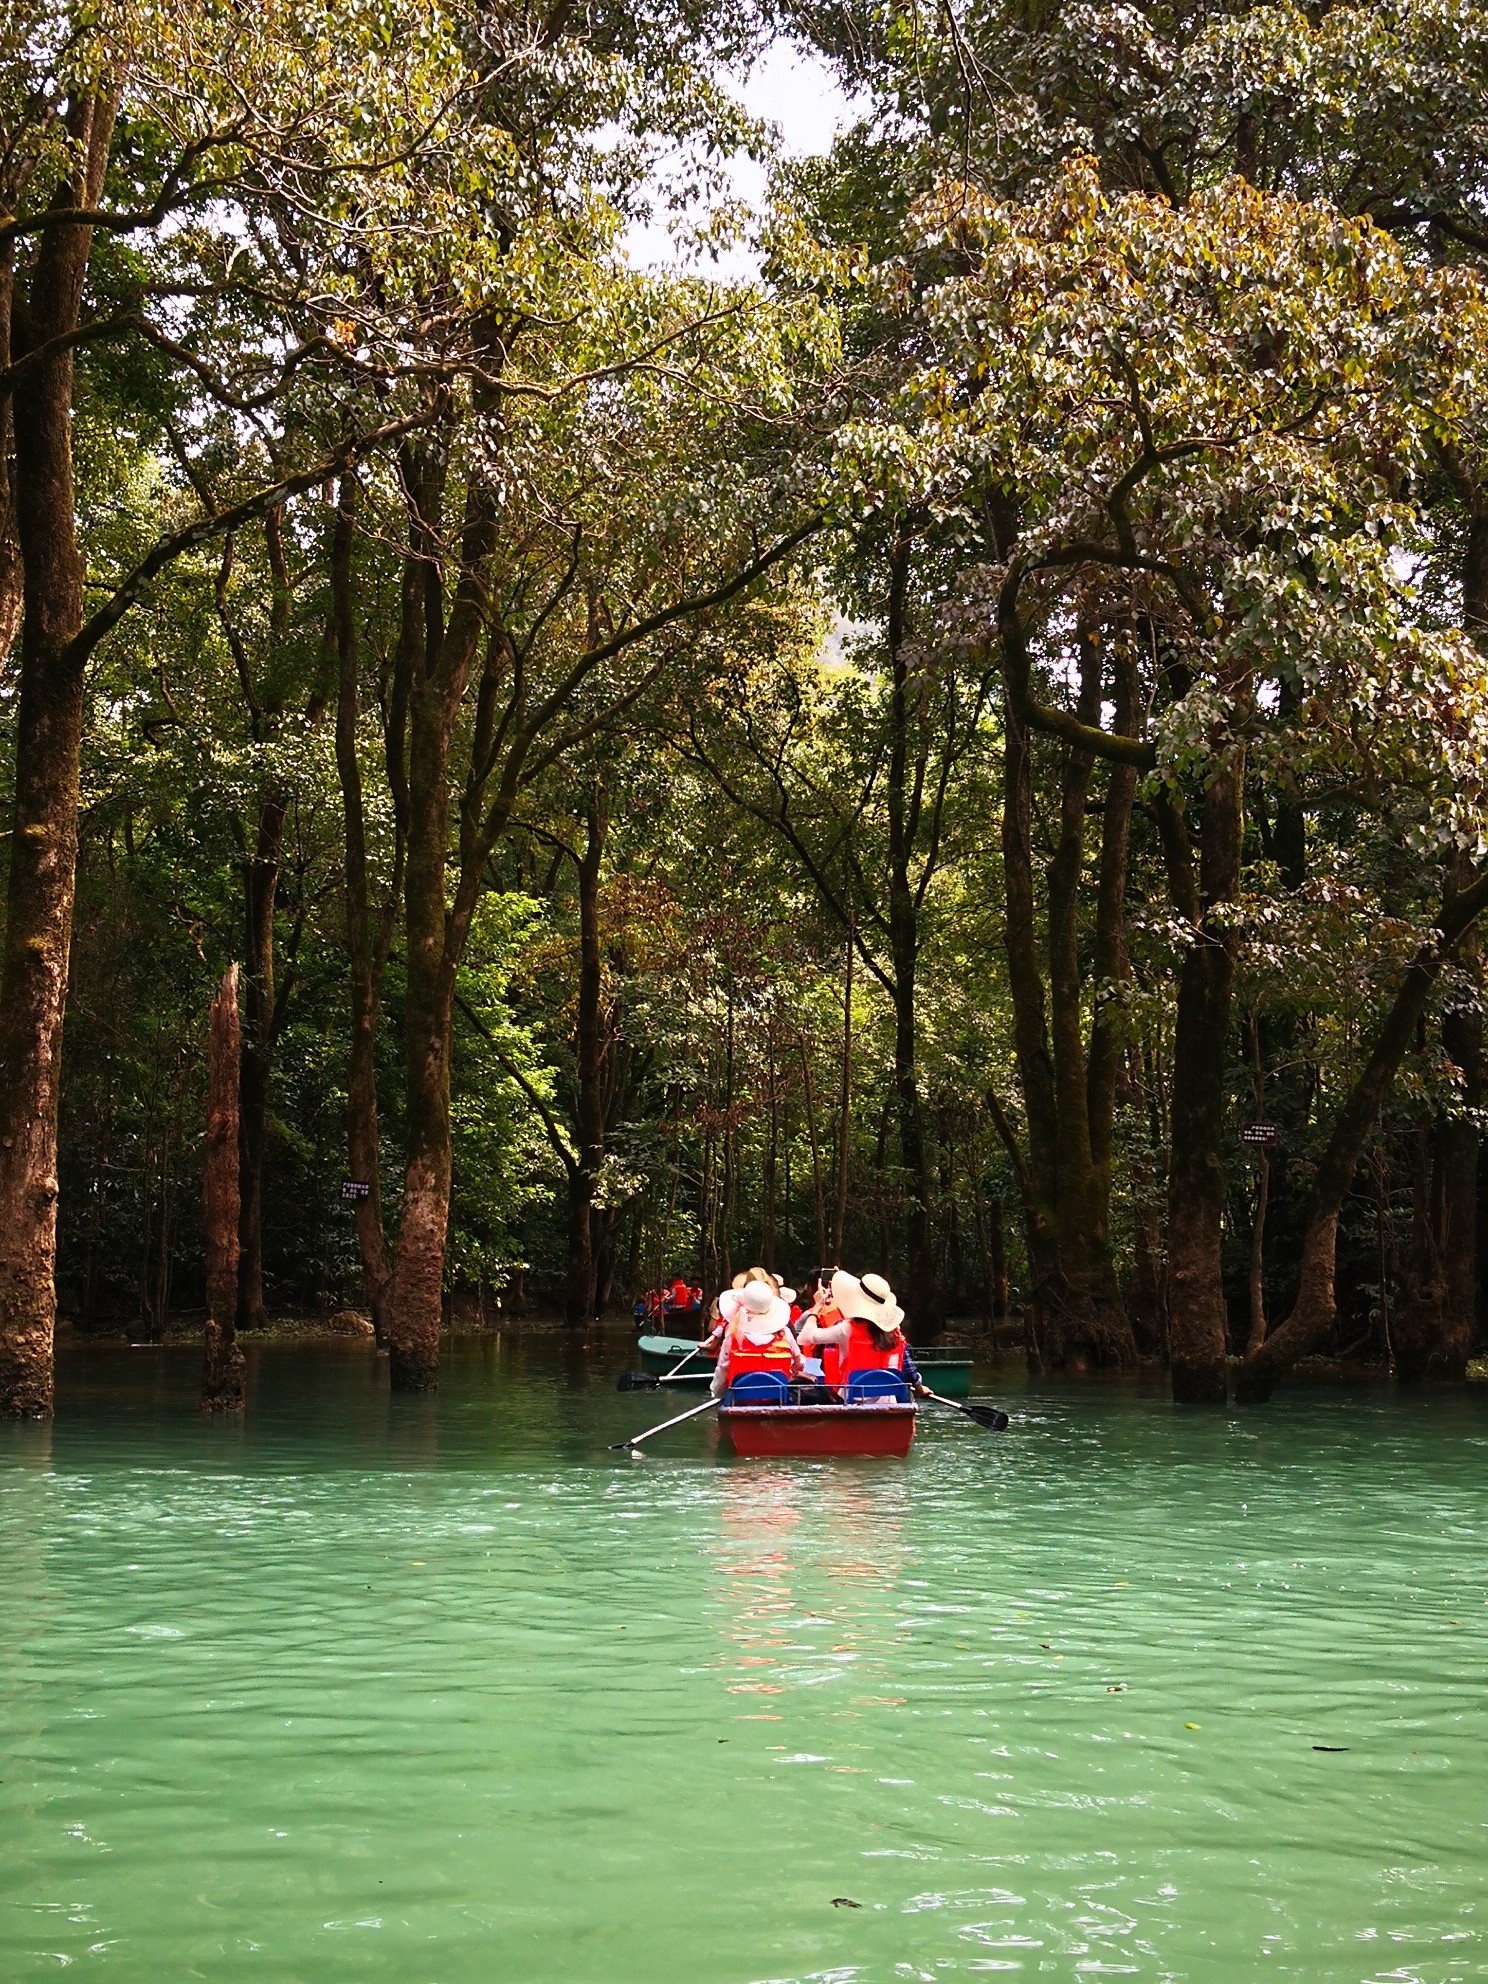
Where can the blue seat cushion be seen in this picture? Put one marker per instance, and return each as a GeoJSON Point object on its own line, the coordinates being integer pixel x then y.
{"type": "Point", "coordinates": [758, 1388]}
{"type": "Point", "coordinates": [865, 1385]}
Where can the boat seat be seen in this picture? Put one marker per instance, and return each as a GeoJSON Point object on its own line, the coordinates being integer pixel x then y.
{"type": "Point", "coordinates": [864, 1386]}
{"type": "Point", "coordinates": [758, 1388]}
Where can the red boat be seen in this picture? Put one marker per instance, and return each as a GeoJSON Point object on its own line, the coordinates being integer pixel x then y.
{"type": "Point", "coordinates": [882, 1427]}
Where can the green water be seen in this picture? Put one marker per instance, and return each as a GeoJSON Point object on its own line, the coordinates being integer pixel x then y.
{"type": "Point", "coordinates": [431, 1692]}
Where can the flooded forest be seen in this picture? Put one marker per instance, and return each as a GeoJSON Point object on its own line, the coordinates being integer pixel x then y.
{"type": "Point", "coordinates": [933, 716]}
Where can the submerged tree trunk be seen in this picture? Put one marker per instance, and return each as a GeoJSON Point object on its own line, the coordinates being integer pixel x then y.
{"type": "Point", "coordinates": [844, 1099]}
{"type": "Point", "coordinates": [905, 798]}
{"type": "Point", "coordinates": [1313, 1311]}
{"type": "Point", "coordinates": [12, 579]}
{"type": "Point", "coordinates": [583, 1177]}
{"type": "Point", "coordinates": [222, 1366]}
{"type": "Point", "coordinates": [418, 1277]}
{"type": "Point", "coordinates": [261, 886]}
{"type": "Point", "coordinates": [1197, 1335]}
{"type": "Point", "coordinates": [48, 740]}
{"type": "Point", "coordinates": [1434, 1327]}
{"type": "Point", "coordinates": [434, 929]}
{"type": "Point", "coordinates": [367, 949]}
{"type": "Point", "coordinates": [1068, 1092]}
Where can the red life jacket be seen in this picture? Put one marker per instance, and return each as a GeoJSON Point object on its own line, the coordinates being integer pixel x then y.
{"type": "Point", "coordinates": [776, 1355]}
{"type": "Point", "coordinates": [869, 1349]}
{"type": "Point", "coordinates": [829, 1353]}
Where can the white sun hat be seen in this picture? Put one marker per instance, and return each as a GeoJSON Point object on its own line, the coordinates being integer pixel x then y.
{"type": "Point", "coordinates": [870, 1299]}
{"type": "Point", "coordinates": [762, 1314]}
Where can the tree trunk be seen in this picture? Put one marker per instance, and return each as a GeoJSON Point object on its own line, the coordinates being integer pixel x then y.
{"type": "Point", "coordinates": [770, 1167]}
{"type": "Point", "coordinates": [365, 957]}
{"type": "Point", "coordinates": [12, 578]}
{"type": "Point", "coordinates": [818, 1205]}
{"type": "Point", "coordinates": [997, 1247]}
{"type": "Point", "coordinates": [48, 740]}
{"type": "Point", "coordinates": [434, 934]}
{"type": "Point", "coordinates": [905, 786]}
{"type": "Point", "coordinates": [1068, 1096]}
{"type": "Point", "coordinates": [1085, 1323]}
{"type": "Point", "coordinates": [261, 886]}
{"type": "Point", "coordinates": [1197, 1336]}
{"type": "Point", "coordinates": [416, 1310]}
{"type": "Point", "coordinates": [583, 1178]}
{"type": "Point", "coordinates": [1434, 1328]}
{"type": "Point", "coordinates": [222, 1367]}
{"type": "Point", "coordinates": [1312, 1313]}
{"type": "Point", "coordinates": [1257, 1274]}
{"type": "Point", "coordinates": [844, 1100]}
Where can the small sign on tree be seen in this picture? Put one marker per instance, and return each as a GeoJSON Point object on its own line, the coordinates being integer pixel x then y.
{"type": "Point", "coordinates": [1264, 1134]}
{"type": "Point", "coordinates": [355, 1190]}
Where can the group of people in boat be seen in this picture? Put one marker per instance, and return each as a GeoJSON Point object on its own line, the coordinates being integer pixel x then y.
{"type": "Point", "coordinates": [674, 1303]}
{"type": "Point", "coordinates": [836, 1325]}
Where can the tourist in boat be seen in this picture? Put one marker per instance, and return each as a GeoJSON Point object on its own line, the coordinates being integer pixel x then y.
{"type": "Point", "coordinates": [725, 1306]}
{"type": "Point", "coordinates": [756, 1335]}
{"type": "Point", "coordinates": [814, 1293]}
{"type": "Point", "coordinates": [820, 1311]}
{"type": "Point", "coordinates": [868, 1334]}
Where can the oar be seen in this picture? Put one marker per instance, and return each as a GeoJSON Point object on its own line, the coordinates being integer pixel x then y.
{"type": "Point", "coordinates": [995, 1420]}
{"type": "Point", "coordinates": [620, 1446]}
{"type": "Point", "coordinates": [650, 1381]}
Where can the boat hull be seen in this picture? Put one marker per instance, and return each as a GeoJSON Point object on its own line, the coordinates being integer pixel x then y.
{"type": "Point", "coordinates": [804, 1430]}
{"type": "Point", "coordinates": [660, 1353]}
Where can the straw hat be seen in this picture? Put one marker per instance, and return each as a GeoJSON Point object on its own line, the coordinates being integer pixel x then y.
{"type": "Point", "coordinates": [746, 1275]}
{"type": "Point", "coordinates": [762, 1315]}
{"type": "Point", "coordinates": [870, 1299]}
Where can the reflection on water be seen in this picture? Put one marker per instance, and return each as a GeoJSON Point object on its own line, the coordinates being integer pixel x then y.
{"type": "Point", "coordinates": [440, 1690]}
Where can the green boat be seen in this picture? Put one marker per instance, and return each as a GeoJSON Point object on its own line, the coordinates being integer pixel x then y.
{"type": "Point", "coordinates": [660, 1353]}
{"type": "Point", "coordinates": [946, 1368]}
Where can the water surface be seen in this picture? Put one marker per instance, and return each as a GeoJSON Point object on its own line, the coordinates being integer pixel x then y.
{"type": "Point", "coordinates": [443, 1692]}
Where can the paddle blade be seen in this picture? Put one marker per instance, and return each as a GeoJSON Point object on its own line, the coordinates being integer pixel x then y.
{"type": "Point", "coordinates": [637, 1381]}
{"type": "Point", "coordinates": [991, 1416]}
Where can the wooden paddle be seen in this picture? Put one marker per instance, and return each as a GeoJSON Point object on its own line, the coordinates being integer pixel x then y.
{"type": "Point", "coordinates": [651, 1381]}
{"type": "Point", "coordinates": [621, 1446]}
{"type": "Point", "coordinates": [989, 1416]}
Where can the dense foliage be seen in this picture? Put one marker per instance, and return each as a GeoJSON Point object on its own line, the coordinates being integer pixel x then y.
{"type": "Point", "coordinates": [897, 759]}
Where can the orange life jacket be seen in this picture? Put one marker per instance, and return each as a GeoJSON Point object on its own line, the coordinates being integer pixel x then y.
{"type": "Point", "coordinates": [776, 1355]}
{"type": "Point", "coordinates": [829, 1353]}
{"type": "Point", "coordinates": [867, 1349]}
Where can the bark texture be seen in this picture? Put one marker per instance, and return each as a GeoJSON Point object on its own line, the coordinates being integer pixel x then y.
{"type": "Point", "coordinates": [1196, 1308]}
{"type": "Point", "coordinates": [43, 849]}
{"type": "Point", "coordinates": [222, 1366]}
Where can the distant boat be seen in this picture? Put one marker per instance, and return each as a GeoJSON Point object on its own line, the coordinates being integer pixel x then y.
{"type": "Point", "coordinates": [946, 1368]}
{"type": "Point", "coordinates": [660, 1353]}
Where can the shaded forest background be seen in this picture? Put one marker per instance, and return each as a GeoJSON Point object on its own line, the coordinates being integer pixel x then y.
{"type": "Point", "coordinates": [897, 760]}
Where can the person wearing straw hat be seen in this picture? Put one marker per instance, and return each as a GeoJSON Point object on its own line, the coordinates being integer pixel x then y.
{"type": "Point", "coordinates": [725, 1307]}
{"type": "Point", "coordinates": [757, 1336]}
{"type": "Point", "coordinates": [870, 1335]}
